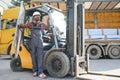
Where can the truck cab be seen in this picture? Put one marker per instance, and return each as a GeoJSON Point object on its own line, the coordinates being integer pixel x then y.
{"type": "Point", "coordinates": [7, 29]}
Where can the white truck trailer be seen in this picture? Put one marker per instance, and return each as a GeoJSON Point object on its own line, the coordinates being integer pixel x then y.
{"type": "Point", "coordinates": [102, 42]}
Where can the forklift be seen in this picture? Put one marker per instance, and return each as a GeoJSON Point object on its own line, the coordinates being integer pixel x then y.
{"type": "Point", "coordinates": [59, 59]}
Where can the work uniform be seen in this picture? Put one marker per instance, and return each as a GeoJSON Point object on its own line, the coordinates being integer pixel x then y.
{"type": "Point", "coordinates": [36, 47]}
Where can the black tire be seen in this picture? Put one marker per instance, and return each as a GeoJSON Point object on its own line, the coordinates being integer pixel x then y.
{"type": "Point", "coordinates": [114, 52]}
{"type": "Point", "coordinates": [94, 52]}
{"type": "Point", "coordinates": [57, 64]}
{"type": "Point", "coordinates": [8, 50]}
{"type": "Point", "coordinates": [15, 64]}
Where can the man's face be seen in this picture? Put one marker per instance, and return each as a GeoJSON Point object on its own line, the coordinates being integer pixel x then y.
{"type": "Point", "coordinates": [36, 18]}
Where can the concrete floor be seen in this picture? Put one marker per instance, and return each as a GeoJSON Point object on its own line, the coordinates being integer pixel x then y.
{"type": "Point", "coordinates": [7, 74]}
{"type": "Point", "coordinates": [106, 66]}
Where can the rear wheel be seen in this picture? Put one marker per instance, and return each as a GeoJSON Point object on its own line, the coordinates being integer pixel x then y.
{"type": "Point", "coordinates": [114, 52]}
{"type": "Point", "coordinates": [57, 64]}
{"type": "Point", "coordinates": [15, 64]}
{"type": "Point", "coordinates": [94, 52]}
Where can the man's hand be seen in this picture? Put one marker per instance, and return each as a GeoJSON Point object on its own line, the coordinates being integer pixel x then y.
{"type": "Point", "coordinates": [20, 25]}
{"type": "Point", "coordinates": [28, 25]}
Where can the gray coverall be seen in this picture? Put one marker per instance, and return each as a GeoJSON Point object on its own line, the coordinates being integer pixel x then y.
{"type": "Point", "coordinates": [36, 47]}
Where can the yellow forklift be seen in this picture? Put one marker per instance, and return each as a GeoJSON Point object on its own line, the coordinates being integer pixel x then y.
{"type": "Point", "coordinates": [62, 57]}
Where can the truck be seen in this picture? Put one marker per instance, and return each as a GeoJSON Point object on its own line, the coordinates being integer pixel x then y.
{"type": "Point", "coordinates": [102, 42]}
{"type": "Point", "coordinates": [7, 29]}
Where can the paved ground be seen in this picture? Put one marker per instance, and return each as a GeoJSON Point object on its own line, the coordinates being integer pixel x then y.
{"type": "Point", "coordinates": [7, 74]}
{"type": "Point", "coordinates": [105, 66]}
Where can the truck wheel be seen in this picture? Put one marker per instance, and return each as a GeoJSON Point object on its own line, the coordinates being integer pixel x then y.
{"type": "Point", "coordinates": [15, 64]}
{"type": "Point", "coordinates": [114, 52]}
{"type": "Point", "coordinates": [94, 52]}
{"type": "Point", "coordinates": [57, 64]}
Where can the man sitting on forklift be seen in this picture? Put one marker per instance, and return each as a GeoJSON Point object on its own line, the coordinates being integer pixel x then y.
{"type": "Point", "coordinates": [36, 45]}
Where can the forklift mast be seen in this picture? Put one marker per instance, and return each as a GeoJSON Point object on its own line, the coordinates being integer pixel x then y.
{"type": "Point", "coordinates": [75, 21]}
{"type": "Point", "coordinates": [75, 38]}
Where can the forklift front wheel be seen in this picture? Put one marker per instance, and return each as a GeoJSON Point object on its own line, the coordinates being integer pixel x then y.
{"type": "Point", "coordinates": [15, 64]}
{"type": "Point", "coordinates": [57, 64]}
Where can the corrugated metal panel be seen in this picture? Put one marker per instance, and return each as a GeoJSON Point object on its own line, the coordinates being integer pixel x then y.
{"type": "Point", "coordinates": [95, 5]}
{"type": "Point", "coordinates": [103, 5]}
{"type": "Point", "coordinates": [111, 5]}
{"type": "Point", "coordinates": [90, 5]}
{"type": "Point", "coordinates": [117, 6]}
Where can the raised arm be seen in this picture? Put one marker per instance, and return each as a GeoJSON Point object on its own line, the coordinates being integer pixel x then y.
{"type": "Point", "coordinates": [27, 25]}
